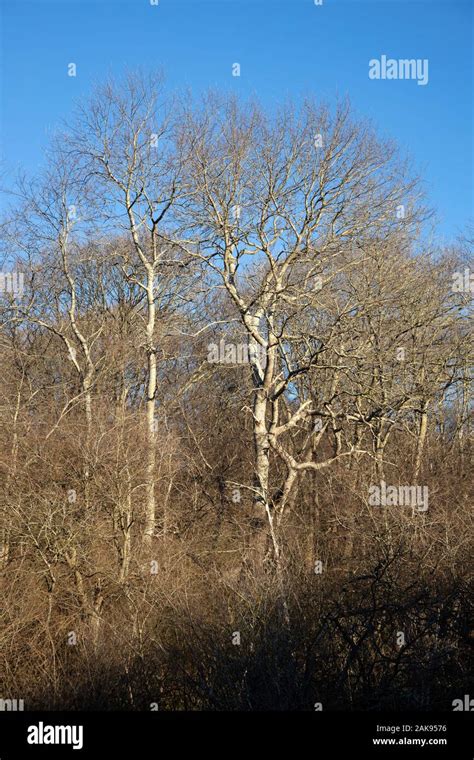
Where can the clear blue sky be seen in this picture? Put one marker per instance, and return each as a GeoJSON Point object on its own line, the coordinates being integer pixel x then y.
{"type": "Point", "coordinates": [284, 47]}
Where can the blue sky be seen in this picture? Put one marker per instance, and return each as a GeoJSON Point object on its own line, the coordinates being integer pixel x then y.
{"type": "Point", "coordinates": [285, 48]}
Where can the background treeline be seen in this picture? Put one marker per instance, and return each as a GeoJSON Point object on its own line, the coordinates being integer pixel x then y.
{"type": "Point", "coordinates": [198, 535]}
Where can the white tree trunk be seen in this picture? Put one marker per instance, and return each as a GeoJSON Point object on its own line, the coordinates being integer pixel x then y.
{"type": "Point", "coordinates": [150, 416]}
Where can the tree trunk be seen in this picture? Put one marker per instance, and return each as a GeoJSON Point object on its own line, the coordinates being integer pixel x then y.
{"type": "Point", "coordinates": [150, 417]}
{"type": "Point", "coordinates": [421, 441]}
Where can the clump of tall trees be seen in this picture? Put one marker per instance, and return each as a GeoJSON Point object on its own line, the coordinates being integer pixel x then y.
{"type": "Point", "coordinates": [181, 532]}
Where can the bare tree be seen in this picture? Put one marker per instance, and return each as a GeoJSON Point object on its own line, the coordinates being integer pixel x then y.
{"type": "Point", "coordinates": [121, 139]}
{"type": "Point", "coordinates": [273, 207]}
